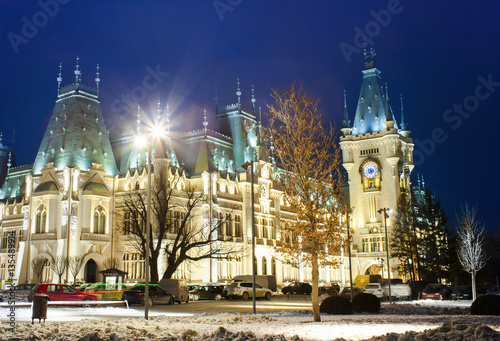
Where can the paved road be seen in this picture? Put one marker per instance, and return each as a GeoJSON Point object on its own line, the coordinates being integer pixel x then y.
{"type": "Point", "coordinates": [118, 311]}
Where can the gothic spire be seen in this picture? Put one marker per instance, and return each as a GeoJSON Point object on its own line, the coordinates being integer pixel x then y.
{"type": "Point", "coordinates": [158, 111]}
{"type": "Point", "coordinates": [97, 80]}
{"type": "Point", "coordinates": [138, 119]}
{"type": "Point", "coordinates": [370, 55]}
{"type": "Point", "coordinates": [238, 93]}
{"type": "Point", "coordinates": [205, 122]}
{"type": "Point", "coordinates": [346, 123]}
{"type": "Point", "coordinates": [59, 79]}
{"type": "Point", "coordinates": [388, 111]}
{"type": "Point", "coordinates": [404, 124]}
{"type": "Point", "coordinates": [78, 73]}
{"type": "Point", "coordinates": [253, 101]}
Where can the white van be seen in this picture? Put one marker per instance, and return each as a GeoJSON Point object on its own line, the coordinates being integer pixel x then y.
{"type": "Point", "coordinates": [176, 288]}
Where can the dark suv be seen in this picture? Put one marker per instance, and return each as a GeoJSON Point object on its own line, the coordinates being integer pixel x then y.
{"type": "Point", "coordinates": [300, 288]}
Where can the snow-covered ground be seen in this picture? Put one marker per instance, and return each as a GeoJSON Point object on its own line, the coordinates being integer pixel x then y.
{"type": "Point", "coordinates": [441, 318]}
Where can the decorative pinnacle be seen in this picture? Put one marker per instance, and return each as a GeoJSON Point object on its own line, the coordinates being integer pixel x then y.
{"type": "Point", "coordinates": [138, 119]}
{"type": "Point", "coordinates": [403, 119]}
{"type": "Point", "coordinates": [205, 122]}
{"type": "Point", "coordinates": [159, 111]}
{"type": "Point", "coordinates": [346, 121]}
{"type": "Point", "coordinates": [78, 73]}
{"type": "Point", "coordinates": [59, 78]}
{"type": "Point", "coordinates": [9, 163]}
{"type": "Point", "coordinates": [97, 79]}
{"type": "Point", "coordinates": [238, 92]}
{"type": "Point", "coordinates": [388, 115]}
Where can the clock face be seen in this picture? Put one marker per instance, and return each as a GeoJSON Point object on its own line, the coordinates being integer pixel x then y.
{"type": "Point", "coordinates": [370, 170]}
{"type": "Point", "coordinates": [263, 191]}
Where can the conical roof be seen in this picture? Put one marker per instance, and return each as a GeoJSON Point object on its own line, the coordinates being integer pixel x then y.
{"type": "Point", "coordinates": [76, 134]}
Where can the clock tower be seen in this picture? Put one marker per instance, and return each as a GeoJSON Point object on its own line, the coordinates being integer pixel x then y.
{"type": "Point", "coordinates": [377, 153]}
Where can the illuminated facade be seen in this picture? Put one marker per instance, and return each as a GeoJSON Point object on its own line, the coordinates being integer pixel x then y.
{"type": "Point", "coordinates": [67, 203]}
{"type": "Point", "coordinates": [378, 156]}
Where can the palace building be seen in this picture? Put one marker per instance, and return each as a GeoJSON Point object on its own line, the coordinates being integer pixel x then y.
{"type": "Point", "coordinates": [68, 202]}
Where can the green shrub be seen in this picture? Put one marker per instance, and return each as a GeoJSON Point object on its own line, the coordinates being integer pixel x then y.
{"type": "Point", "coordinates": [366, 303]}
{"type": "Point", "coordinates": [486, 305]}
{"type": "Point", "coordinates": [336, 305]}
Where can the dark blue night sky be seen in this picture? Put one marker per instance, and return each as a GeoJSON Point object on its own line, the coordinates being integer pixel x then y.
{"type": "Point", "coordinates": [442, 56]}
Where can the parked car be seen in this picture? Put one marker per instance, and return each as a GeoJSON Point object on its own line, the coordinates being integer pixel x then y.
{"type": "Point", "coordinates": [61, 292]}
{"type": "Point", "coordinates": [494, 290]}
{"type": "Point", "coordinates": [207, 292]}
{"type": "Point", "coordinates": [436, 291]}
{"type": "Point", "coordinates": [300, 288]}
{"type": "Point", "coordinates": [346, 292]}
{"type": "Point", "coordinates": [18, 293]}
{"type": "Point", "coordinates": [245, 291]}
{"type": "Point", "coordinates": [417, 287]}
{"type": "Point", "coordinates": [374, 289]}
{"type": "Point", "coordinates": [330, 291]}
{"type": "Point", "coordinates": [157, 295]}
{"type": "Point", "coordinates": [177, 288]}
{"type": "Point", "coordinates": [461, 292]}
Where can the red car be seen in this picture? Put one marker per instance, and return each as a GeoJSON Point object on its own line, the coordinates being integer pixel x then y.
{"type": "Point", "coordinates": [436, 292]}
{"type": "Point", "coordinates": [61, 292]}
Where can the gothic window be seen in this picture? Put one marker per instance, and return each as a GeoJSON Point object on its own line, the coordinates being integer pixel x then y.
{"type": "Point", "coordinates": [366, 245]}
{"type": "Point", "coordinates": [5, 238]}
{"type": "Point", "coordinates": [137, 185]}
{"type": "Point", "coordinates": [229, 225]}
{"type": "Point", "coordinates": [126, 223]}
{"type": "Point", "coordinates": [133, 264]}
{"type": "Point", "coordinates": [41, 219]}
{"type": "Point", "coordinates": [220, 227]}
{"type": "Point", "coordinates": [264, 266]}
{"type": "Point", "coordinates": [237, 226]}
{"type": "Point", "coordinates": [265, 228]}
{"type": "Point", "coordinates": [99, 220]}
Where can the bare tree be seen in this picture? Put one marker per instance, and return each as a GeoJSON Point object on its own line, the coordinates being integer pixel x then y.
{"type": "Point", "coordinates": [470, 249]}
{"type": "Point", "coordinates": [59, 266]}
{"type": "Point", "coordinates": [75, 264]}
{"type": "Point", "coordinates": [111, 263]}
{"type": "Point", "coordinates": [309, 157]}
{"type": "Point", "coordinates": [38, 264]}
{"type": "Point", "coordinates": [173, 228]}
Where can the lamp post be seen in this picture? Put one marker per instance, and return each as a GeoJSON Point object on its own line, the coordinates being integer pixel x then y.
{"type": "Point", "coordinates": [349, 252]}
{"type": "Point", "coordinates": [156, 132]}
{"type": "Point", "coordinates": [385, 210]}
{"type": "Point", "coordinates": [148, 241]}
{"type": "Point", "coordinates": [249, 164]}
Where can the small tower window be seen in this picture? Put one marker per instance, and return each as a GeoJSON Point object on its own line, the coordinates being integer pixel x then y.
{"type": "Point", "coordinates": [40, 219]}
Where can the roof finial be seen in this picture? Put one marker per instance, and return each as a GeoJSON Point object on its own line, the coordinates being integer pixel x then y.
{"type": "Point", "coordinates": [423, 182]}
{"type": "Point", "coordinates": [369, 55]}
{"type": "Point", "coordinates": [205, 122]}
{"type": "Point", "coordinates": [97, 79]}
{"type": "Point", "coordinates": [216, 100]}
{"type": "Point", "coordinates": [346, 123]}
{"type": "Point", "coordinates": [9, 163]}
{"type": "Point", "coordinates": [404, 124]}
{"type": "Point", "coordinates": [238, 93]}
{"type": "Point", "coordinates": [159, 111]}
{"type": "Point", "coordinates": [78, 73]}
{"type": "Point", "coordinates": [253, 101]}
{"type": "Point", "coordinates": [259, 135]}
{"type": "Point", "coordinates": [59, 79]}
{"type": "Point", "coordinates": [388, 113]}
{"type": "Point", "coordinates": [138, 119]}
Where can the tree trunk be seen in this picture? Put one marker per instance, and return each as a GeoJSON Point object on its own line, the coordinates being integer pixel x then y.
{"type": "Point", "coordinates": [473, 275]}
{"type": "Point", "coordinates": [314, 294]}
{"type": "Point", "coordinates": [153, 269]}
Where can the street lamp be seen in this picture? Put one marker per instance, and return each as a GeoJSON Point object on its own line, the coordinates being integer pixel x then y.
{"type": "Point", "coordinates": [385, 210]}
{"type": "Point", "coordinates": [246, 166]}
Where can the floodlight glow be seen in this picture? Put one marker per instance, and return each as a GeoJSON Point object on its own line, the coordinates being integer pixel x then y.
{"type": "Point", "coordinates": [140, 141]}
{"type": "Point", "coordinates": [158, 131]}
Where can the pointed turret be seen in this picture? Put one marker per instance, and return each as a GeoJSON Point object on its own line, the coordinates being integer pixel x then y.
{"type": "Point", "coordinates": [238, 94]}
{"type": "Point", "coordinates": [59, 79]}
{"type": "Point", "coordinates": [97, 80]}
{"type": "Point", "coordinates": [346, 129]}
{"type": "Point", "coordinates": [76, 134]}
{"type": "Point", "coordinates": [389, 116]}
{"type": "Point", "coordinates": [404, 124]}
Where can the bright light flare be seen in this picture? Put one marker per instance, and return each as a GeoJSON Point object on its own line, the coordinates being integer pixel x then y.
{"type": "Point", "coordinates": [141, 141]}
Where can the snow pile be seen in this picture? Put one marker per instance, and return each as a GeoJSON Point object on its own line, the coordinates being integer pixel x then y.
{"type": "Point", "coordinates": [402, 321]}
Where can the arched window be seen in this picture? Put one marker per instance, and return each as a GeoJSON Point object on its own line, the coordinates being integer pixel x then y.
{"type": "Point", "coordinates": [264, 266]}
{"type": "Point", "coordinates": [41, 219]}
{"type": "Point", "coordinates": [99, 220]}
{"type": "Point", "coordinates": [273, 266]}
{"type": "Point", "coordinates": [137, 186]}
